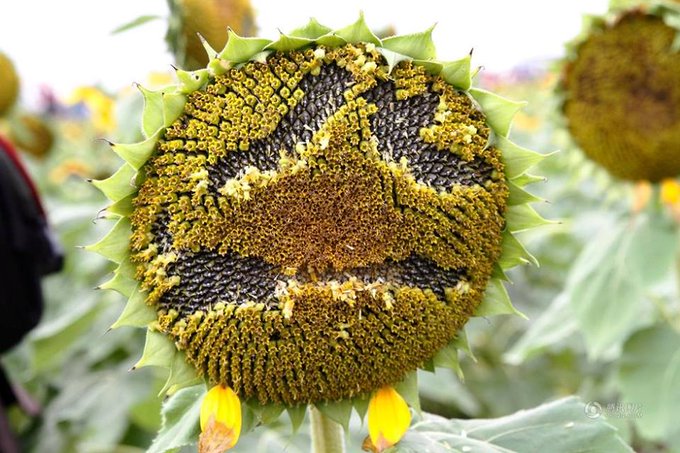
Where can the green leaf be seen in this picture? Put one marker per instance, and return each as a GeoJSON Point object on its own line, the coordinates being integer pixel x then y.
{"type": "Point", "coordinates": [141, 20]}
{"type": "Point", "coordinates": [649, 376]}
{"type": "Point", "coordinates": [180, 420]}
{"type": "Point", "coordinates": [606, 297]}
{"type": "Point", "coordinates": [457, 73]}
{"type": "Point", "coordinates": [240, 50]}
{"type": "Point", "coordinates": [338, 411]}
{"type": "Point", "coordinates": [287, 43]}
{"type": "Point", "coordinates": [358, 32]}
{"type": "Point", "coordinates": [416, 45]}
{"type": "Point", "coordinates": [553, 325]}
{"type": "Point", "coordinates": [312, 30]}
{"type": "Point", "coordinates": [514, 253]}
{"type": "Point", "coordinates": [499, 111]}
{"type": "Point", "coordinates": [119, 185]}
{"type": "Point", "coordinates": [136, 154]}
{"type": "Point", "coordinates": [653, 248]}
{"type": "Point", "coordinates": [560, 427]}
{"type": "Point", "coordinates": [516, 159]}
{"type": "Point", "coordinates": [114, 246]}
{"type": "Point", "coordinates": [137, 313]}
{"type": "Point", "coordinates": [496, 301]}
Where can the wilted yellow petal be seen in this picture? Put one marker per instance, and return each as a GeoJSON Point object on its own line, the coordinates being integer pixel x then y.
{"type": "Point", "coordinates": [670, 191]}
{"type": "Point", "coordinates": [388, 418]}
{"type": "Point", "coordinates": [220, 418]}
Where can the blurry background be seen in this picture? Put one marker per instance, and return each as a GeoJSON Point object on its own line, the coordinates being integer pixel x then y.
{"type": "Point", "coordinates": [77, 78]}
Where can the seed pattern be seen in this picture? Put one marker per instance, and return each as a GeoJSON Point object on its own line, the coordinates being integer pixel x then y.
{"type": "Point", "coordinates": [315, 227]}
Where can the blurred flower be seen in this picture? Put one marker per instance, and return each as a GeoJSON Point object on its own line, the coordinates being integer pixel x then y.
{"type": "Point", "coordinates": [388, 418]}
{"type": "Point", "coordinates": [642, 192]}
{"type": "Point", "coordinates": [99, 105]}
{"type": "Point", "coordinates": [220, 420]}
{"type": "Point", "coordinates": [70, 167]}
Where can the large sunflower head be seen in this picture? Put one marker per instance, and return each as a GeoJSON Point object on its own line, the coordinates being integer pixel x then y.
{"type": "Point", "coordinates": [210, 19]}
{"type": "Point", "coordinates": [9, 84]}
{"type": "Point", "coordinates": [315, 218]}
{"type": "Point", "coordinates": [621, 90]}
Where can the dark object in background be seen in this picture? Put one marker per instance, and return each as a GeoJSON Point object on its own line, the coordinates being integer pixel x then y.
{"type": "Point", "coordinates": [28, 250]}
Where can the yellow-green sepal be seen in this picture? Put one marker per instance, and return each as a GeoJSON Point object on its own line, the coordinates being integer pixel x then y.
{"type": "Point", "coordinates": [496, 301]}
{"type": "Point", "coordinates": [136, 154]}
{"type": "Point", "coordinates": [152, 114]}
{"type": "Point", "coordinates": [523, 217]}
{"type": "Point", "coordinates": [119, 185]}
{"type": "Point", "coordinates": [181, 375]}
{"type": "Point", "coordinates": [123, 280]}
{"type": "Point", "coordinates": [173, 106]}
{"type": "Point", "coordinates": [240, 50]}
{"type": "Point", "coordinates": [190, 81]}
{"type": "Point", "coordinates": [137, 313]}
{"type": "Point", "coordinates": [287, 43]}
{"type": "Point", "coordinates": [114, 246]}
{"type": "Point", "coordinates": [516, 159]}
{"type": "Point", "coordinates": [297, 416]}
{"type": "Point", "coordinates": [514, 253]}
{"type": "Point", "coordinates": [418, 46]}
{"type": "Point", "coordinates": [408, 389]}
{"type": "Point", "coordinates": [312, 30]}
{"type": "Point", "coordinates": [519, 196]}
{"type": "Point", "coordinates": [358, 32]}
{"type": "Point", "coordinates": [499, 111]}
{"type": "Point", "coordinates": [122, 208]}
{"type": "Point", "coordinates": [338, 411]}
{"type": "Point", "coordinates": [457, 73]}
{"type": "Point", "coordinates": [392, 58]}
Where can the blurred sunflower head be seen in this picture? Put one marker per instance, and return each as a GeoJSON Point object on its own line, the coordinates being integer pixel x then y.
{"type": "Point", "coordinates": [210, 19]}
{"type": "Point", "coordinates": [621, 89]}
{"type": "Point", "coordinates": [32, 134]}
{"type": "Point", "coordinates": [9, 84]}
{"type": "Point", "coordinates": [315, 218]}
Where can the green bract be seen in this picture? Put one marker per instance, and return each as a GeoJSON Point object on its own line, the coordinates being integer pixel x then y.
{"type": "Point", "coordinates": [316, 217]}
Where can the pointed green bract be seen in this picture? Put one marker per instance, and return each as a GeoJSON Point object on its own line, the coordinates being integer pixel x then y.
{"type": "Point", "coordinates": [288, 42]}
{"type": "Point", "coordinates": [152, 116]}
{"type": "Point", "coordinates": [457, 73]}
{"type": "Point", "coordinates": [181, 375]}
{"type": "Point", "coordinates": [417, 45]}
{"type": "Point", "coordinates": [113, 246]}
{"type": "Point", "coordinates": [240, 50]}
{"type": "Point", "coordinates": [517, 160]}
{"type": "Point", "coordinates": [137, 313]}
{"type": "Point", "coordinates": [297, 416]}
{"type": "Point", "coordinates": [331, 40]}
{"type": "Point", "coordinates": [173, 106]}
{"type": "Point", "coordinates": [514, 252]}
{"type": "Point", "coordinates": [523, 217]}
{"type": "Point", "coordinates": [122, 208]}
{"type": "Point", "coordinates": [121, 283]}
{"type": "Point", "coordinates": [312, 30]}
{"type": "Point", "coordinates": [191, 81]}
{"type": "Point", "coordinates": [158, 351]}
{"type": "Point", "coordinates": [499, 111]}
{"type": "Point", "coordinates": [120, 185]}
{"type": "Point", "coordinates": [358, 32]}
{"type": "Point", "coordinates": [136, 154]}
{"type": "Point", "coordinates": [520, 196]}
{"type": "Point", "coordinates": [497, 301]}
{"type": "Point", "coordinates": [408, 389]}
{"type": "Point", "coordinates": [392, 58]}
{"type": "Point", "coordinates": [338, 411]}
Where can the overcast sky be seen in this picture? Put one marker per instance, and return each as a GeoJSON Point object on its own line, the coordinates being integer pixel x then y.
{"type": "Point", "coordinates": [68, 43]}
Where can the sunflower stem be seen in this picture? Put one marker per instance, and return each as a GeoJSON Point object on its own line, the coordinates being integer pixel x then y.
{"type": "Point", "coordinates": [327, 436]}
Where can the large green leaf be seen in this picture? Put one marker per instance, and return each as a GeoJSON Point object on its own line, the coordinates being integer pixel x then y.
{"type": "Point", "coordinates": [557, 427]}
{"type": "Point", "coordinates": [608, 282]}
{"type": "Point", "coordinates": [180, 420]}
{"type": "Point", "coordinates": [649, 376]}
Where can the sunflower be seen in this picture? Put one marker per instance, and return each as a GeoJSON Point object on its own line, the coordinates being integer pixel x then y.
{"type": "Point", "coordinates": [9, 84]}
{"type": "Point", "coordinates": [621, 92]}
{"type": "Point", "coordinates": [311, 220]}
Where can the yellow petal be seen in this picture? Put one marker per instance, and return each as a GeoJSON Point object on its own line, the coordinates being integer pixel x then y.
{"type": "Point", "coordinates": [670, 191]}
{"type": "Point", "coordinates": [221, 417]}
{"type": "Point", "coordinates": [388, 418]}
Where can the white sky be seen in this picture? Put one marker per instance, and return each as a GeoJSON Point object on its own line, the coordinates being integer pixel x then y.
{"type": "Point", "coordinates": [67, 43]}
